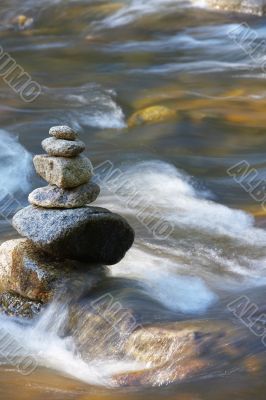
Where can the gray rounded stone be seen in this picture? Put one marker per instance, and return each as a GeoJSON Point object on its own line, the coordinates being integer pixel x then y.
{"type": "Point", "coordinates": [62, 147]}
{"type": "Point", "coordinates": [63, 132]}
{"type": "Point", "coordinates": [63, 172]}
{"type": "Point", "coordinates": [90, 234]}
{"type": "Point", "coordinates": [52, 196]}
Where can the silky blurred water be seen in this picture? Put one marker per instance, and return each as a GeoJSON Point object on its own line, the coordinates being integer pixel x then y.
{"type": "Point", "coordinates": [98, 62]}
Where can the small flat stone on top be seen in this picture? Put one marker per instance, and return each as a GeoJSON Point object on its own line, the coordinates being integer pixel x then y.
{"type": "Point", "coordinates": [62, 148]}
{"type": "Point", "coordinates": [54, 197]}
{"type": "Point", "coordinates": [63, 132]}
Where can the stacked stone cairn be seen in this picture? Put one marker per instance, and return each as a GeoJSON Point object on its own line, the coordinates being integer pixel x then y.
{"type": "Point", "coordinates": [64, 238]}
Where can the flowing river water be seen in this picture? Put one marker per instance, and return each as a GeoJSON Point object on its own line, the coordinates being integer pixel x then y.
{"type": "Point", "coordinates": [98, 62]}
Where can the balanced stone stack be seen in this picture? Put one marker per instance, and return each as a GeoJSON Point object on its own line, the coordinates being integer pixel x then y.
{"type": "Point", "coordinates": [63, 236]}
{"type": "Point", "coordinates": [67, 172]}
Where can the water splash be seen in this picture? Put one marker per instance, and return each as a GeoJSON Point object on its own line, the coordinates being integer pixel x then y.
{"type": "Point", "coordinates": [212, 247]}
{"type": "Point", "coordinates": [15, 164]}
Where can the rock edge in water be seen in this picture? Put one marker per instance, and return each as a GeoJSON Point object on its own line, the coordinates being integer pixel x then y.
{"type": "Point", "coordinates": [90, 234]}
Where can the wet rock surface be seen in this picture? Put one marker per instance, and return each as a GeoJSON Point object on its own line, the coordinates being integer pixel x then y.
{"type": "Point", "coordinates": [36, 275]}
{"type": "Point", "coordinates": [90, 234]}
{"type": "Point", "coordinates": [256, 7]}
{"type": "Point", "coordinates": [14, 305]}
{"type": "Point", "coordinates": [152, 115]}
{"type": "Point", "coordinates": [54, 197]}
{"type": "Point", "coordinates": [176, 352]}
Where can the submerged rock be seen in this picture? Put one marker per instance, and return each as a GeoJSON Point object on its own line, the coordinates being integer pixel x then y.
{"type": "Point", "coordinates": [175, 352]}
{"type": "Point", "coordinates": [152, 115]}
{"type": "Point", "coordinates": [63, 172]}
{"type": "Point", "coordinates": [95, 335]}
{"type": "Point", "coordinates": [115, 308]}
{"type": "Point", "coordinates": [14, 305]}
{"type": "Point", "coordinates": [33, 274]}
{"type": "Point", "coordinates": [63, 132]}
{"type": "Point", "coordinates": [22, 22]}
{"type": "Point", "coordinates": [90, 234]}
{"type": "Point", "coordinates": [159, 344]}
{"type": "Point", "coordinates": [163, 376]}
{"type": "Point", "coordinates": [62, 148]}
{"type": "Point", "coordinates": [54, 197]}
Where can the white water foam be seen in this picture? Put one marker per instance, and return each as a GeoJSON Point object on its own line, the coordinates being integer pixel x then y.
{"type": "Point", "coordinates": [135, 9]}
{"type": "Point", "coordinates": [183, 273]}
{"type": "Point", "coordinates": [15, 164]}
{"type": "Point", "coordinates": [161, 279]}
{"type": "Point", "coordinates": [87, 105]}
{"type": "Point", "coordinates": [41, 343]}
{"type": "Point", "coordinates": [212, 247]}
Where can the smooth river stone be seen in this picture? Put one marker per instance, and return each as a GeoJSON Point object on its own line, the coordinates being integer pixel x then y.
{"type": "Point", "coordinates": [62, 148]}
{"type": "Point", "coordinates": [28, 271]}
{"type": "Point", "coordinates": [63, 132]}
{"type": "Point", "coordinates": [90, 234]}
{"type": "Point", "coordinates": [54, 197]}
{"type": "Point", "coordinates": [63, 172]}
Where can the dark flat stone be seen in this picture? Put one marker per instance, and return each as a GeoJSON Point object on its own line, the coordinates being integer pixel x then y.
{"type": "Point", "coordinates": [90, 234]}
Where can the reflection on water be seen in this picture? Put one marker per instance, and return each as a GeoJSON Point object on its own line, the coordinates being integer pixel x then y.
{"type": "Point", "coordinates": [99, 62]}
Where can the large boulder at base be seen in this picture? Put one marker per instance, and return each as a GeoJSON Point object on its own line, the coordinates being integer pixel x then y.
{"type": "Point", "coordinates": [63, 172]}
{"type": "Point", "coordinates": [90, 234]}
{"type": "Point", "coordinates": [28, 271]}
{"type": "Point", "coordinates": [256, 7]}
{"type": "Point", "coordinates": [52, 196]}
{"type": "Point", "coordinates": [14, 305]}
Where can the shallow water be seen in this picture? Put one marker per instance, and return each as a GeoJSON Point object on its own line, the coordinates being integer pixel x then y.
{"type": "Point", "coordinates": [97, 63]}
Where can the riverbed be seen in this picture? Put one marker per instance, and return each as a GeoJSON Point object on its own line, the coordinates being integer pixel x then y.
{"type": "Point", "coordinates": [98, 63]}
